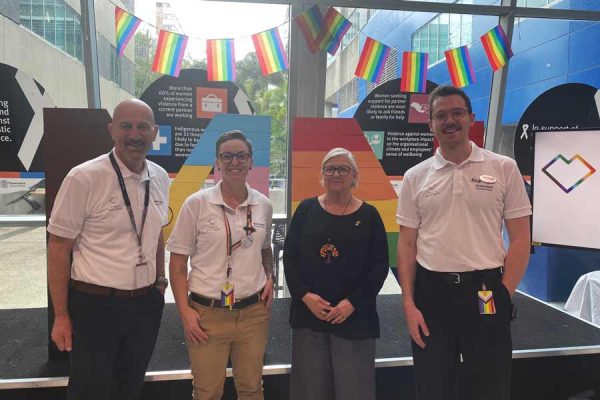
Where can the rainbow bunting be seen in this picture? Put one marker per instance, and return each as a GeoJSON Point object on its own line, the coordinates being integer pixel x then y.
{"type": "Point", "coordinates": [495, 44]}
{"type": "Point", "coordinates": [372, 60]}
{"type": "Point", "coordinates": [414, 72]}
{"type": "Point", "coordinates": [310, 23]}
{"type": "Point", "coordinates": [460, 67]}
{"type": "Point", "coordinates": [125, 26]}
{"type": "Point", "coordinates": [169, 53]}
{"type": "Point", "coordinates": [220, 60]}
{"type": "Point", "coordinates": [336, 27]}
{"type": "Point", "coordinates": [270, 52]}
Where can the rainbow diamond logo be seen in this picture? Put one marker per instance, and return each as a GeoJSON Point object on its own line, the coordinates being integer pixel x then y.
{"type": "Point", "coordinates": [576, 169]}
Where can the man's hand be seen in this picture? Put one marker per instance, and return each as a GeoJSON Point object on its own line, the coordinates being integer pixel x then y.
{"type": "Point", "coordinates": [267, 293]}
{"type": "Point", "coordinates": [62, 334]}
{"type": "Point", "coordinates": [340, 313]}
{"type": "Point", "coordinates": [317, 305]}
{"type": "Point", "coordinates": [416, 324]}
{"type": "Point", "coordinates": [190, 319]}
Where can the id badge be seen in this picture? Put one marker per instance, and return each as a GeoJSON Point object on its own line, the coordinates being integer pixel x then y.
{"type": "Point", "coordinates": [141, 274]}
{"type": "Point", "coordinates": [227, 298]}
{"type": "Point", "coordinates": [247, 241]}
{"type": "Point", "coordinates": [486, 301]}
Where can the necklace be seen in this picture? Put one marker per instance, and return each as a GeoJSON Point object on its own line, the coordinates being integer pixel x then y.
{"type": "Point", "coordinates": [328, 251]}
{"type": "Point", "coordinates": [345, 207]}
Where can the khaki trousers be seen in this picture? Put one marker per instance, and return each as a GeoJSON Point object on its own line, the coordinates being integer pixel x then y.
{"type": "Point", "coordinates": [239, 334]}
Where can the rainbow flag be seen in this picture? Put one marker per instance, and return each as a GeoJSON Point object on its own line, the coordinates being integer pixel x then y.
{"type": "Point", "coordinates": [310, 23]}
{"type": "Point", "coordinates": [372, 60]}
{"type": "Point", "coordinates": [125, 26]}
{"type": "Point", "coordinates": [270, 52]}
{"type": "Point", "coordinates": [336, 27]}
{"type": "Point", "coordinates": [220, 60]}
{"type": "Point", "coordinates": [414, 72]}
{"type": "Point", "coordinates": [460, 67]}
{"type": "Point", "coordinates": [497, 49]}
{"type": "Point", "coordinates": [169, 53]}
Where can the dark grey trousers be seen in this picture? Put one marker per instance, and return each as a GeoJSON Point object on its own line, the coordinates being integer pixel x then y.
{"type": "Point", "coordinates": [328, 367]}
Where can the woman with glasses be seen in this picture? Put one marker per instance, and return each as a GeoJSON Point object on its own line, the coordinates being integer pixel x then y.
{"type": "Point", "coordinates": [335, 261]}
{"type": "Point", "coordinates": [225, 232]}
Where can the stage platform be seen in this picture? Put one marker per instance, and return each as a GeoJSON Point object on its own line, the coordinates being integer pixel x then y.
{"type": "Point", "coordinates": [555, 355]}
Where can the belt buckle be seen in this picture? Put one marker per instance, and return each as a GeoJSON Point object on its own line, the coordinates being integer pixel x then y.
{"type": "Point", "coordinates": [457, 275]}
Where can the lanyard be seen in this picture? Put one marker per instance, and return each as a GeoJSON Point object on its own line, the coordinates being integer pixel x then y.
{"type": "Point", "coordinates": [128, 202]}
{"type": "Point", "coordinates": [249, 228]}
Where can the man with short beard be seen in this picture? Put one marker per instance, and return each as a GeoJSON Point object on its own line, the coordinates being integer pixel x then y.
{"type": "Point", "coordinates": [108, 301]}
{"type": "Point", "coordinates": [457, 279]}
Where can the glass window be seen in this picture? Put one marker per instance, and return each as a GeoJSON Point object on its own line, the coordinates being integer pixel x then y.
{"type": "Point", "coordinates": [69, 30]}
{"type": "Point", "coordinates": [37, 17]}
{"type": "Point", "coordinates": [25, 13]}
{"type": "Point", "coordinates": [59, 15]}
{"type": "Point", "coordinates": [49, 21]}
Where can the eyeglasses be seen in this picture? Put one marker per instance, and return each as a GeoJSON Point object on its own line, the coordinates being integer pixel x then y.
{"type": "Point", "coordinates": [342, 171]}
{"type": "Point", "coordinates": [457, 113]}
{"type": "Point", "coordinates": [241, 156]}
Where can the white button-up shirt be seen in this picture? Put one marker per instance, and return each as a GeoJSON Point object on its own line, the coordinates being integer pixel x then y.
{"type": "Point", "coordinates": [200, 233]}
{"type": "Point", "coordinates": [89, 208]}
{"type": "Point", "coordinates": [459, 209]}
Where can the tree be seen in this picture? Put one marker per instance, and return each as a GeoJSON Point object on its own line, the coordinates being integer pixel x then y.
{"type": "Point", "coordinates": [144, 76]}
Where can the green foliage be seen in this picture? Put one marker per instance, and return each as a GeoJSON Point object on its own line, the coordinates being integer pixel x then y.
{"type": "Point", "coordinates": [144, 57]}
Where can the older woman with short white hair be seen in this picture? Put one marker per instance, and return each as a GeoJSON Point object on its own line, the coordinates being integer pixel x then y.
{"type": "Point", "coordinates": [335, 261]}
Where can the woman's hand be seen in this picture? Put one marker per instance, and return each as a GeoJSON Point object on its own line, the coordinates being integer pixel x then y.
{"type": "Point", "coordinates": [190, 319]}
{"type": "Point", "coordinates": [340, 313]}
{"type": "Point", "coordinates": [317, 305]}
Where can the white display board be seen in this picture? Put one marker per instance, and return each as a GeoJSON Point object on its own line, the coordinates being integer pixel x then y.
{"type": "Point", "coordinates": [566, 188]}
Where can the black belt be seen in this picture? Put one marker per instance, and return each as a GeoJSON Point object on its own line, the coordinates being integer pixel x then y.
{"type": "Point", "coordinates": [107, 291]}
{"type": "Point", "coordinates": [464, 277]}
{"type": "Point", "coordinates": [212, 303]}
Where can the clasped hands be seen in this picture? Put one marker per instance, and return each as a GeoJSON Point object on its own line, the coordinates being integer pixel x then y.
{"type": "Point", "coordinates": [324, 311]}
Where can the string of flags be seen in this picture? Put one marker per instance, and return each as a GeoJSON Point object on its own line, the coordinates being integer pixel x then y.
{"type": "Point", "coordinates": [321, 33]}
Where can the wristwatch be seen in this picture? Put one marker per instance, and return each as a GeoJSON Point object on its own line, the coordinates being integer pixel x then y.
{"type": "Point", "coordinates": [162, 280]}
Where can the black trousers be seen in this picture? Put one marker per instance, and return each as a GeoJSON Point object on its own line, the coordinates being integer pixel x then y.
{"type": "Point", "coordinates": [113, 340]}
{"type": "Point", "coordinates": [456, 327]}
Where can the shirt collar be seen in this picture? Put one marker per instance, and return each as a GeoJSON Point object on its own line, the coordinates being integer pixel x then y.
{"type": "Point", "coordinates": [476, 155]}
{"type": "Point", "coordinates": [215, 196]}
{"type": "Point", "coordinates": [126, 172]}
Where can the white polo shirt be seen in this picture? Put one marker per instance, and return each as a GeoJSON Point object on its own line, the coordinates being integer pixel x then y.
{"type": "Point", "coordinates": [90, 208]}
{"type": "Point", "coordinates": [200, 233]}
{"type": "Point", "coordinates": [459, 209]}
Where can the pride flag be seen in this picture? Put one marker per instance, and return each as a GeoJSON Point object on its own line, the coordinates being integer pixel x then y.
{"type": "Point", "coordinates": [336, 27]}
{"type": "Point", "coordinates": [460, 67]}
{"type": "Point", "coordinates": [372, 60]}
{"type": "Point", "coordinates": [270, 52]}
{"type": "Point", "coordinates": [414, 72]}
{"type": "Point", "coordinates": [220, 60]}
{"type": "Point", "coordinates": [497, 49]}
{"type": "Point", "coordinates": [125, 26]}
{"type": "Point", "coordinates": [169, 53]}
{"type": "Point", "coordinates": [310, 23]}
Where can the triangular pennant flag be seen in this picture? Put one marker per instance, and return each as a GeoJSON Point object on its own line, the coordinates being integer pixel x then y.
{"type": "Point", "coordinates": [169, 53]}
{"type": "Point", "coordinates": [220, 60]}
{"type": "Point", "coordinates": [270, 51]}
{"type": "Point", "coordinates": [125, 27]}
{"type": "Point", "coordinates": [497, 49]}
{"type": "Point", "coordinates": [336, 27]}
{"type": "Point", "coordinates": [311, 23]}
{"type": "Point", "coordinates": [414, 72]}
{"type": "Point", "coordinates": [460, 67]}
{"type": "Point", "coordinates": [372, 60]}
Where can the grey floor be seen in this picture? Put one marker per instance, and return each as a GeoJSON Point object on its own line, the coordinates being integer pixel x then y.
{"type": "Point", "coordinates": [23, 269]}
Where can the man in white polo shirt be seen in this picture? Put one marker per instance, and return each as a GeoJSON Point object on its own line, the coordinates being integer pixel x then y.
{"type": "Point", "coordinates": [457, 279]}
{"type": "Point", "coordinates": [108, 301]}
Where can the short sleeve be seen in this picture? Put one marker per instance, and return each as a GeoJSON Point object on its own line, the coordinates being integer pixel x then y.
{"type": "Point", "coordinates": [516, 203]}
{"type": "Point", "coordinates": [407, 212]}
{"type": "Point", "coordinates": [69, 211]}
{"type": "Point", "coordinates": [184, 234]}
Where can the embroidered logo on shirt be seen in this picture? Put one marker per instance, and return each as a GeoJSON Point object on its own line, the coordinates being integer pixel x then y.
{"type": "Point", "coordinates": [431, 191]}
{"type": "Point", "coordinates": [259, 224]}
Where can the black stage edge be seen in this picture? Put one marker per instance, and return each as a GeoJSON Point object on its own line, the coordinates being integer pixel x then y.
{"type": "Point", "coordinates": [555, 356]}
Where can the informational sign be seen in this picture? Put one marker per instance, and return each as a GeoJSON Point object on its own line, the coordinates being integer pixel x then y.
{"type": "Point", "coordinates": [396, 126]}
{"type": "Point", "coordinates": [22, 100]}
{"type": "Point", "coordinates": [567, 178]}
{"type": "Point", "coordinates": [183, 108]}
{"type": "Point", "coordinates": [568, 107]}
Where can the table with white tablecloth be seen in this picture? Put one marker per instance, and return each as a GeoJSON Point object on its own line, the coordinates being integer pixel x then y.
{"type": "Point", "coordinates": [584, 301]}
